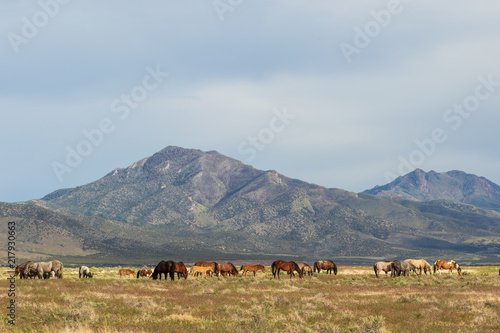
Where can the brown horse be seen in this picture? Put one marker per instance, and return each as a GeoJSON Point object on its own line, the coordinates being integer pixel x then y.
{"type": "Point", "coordinates": [327, 265]}
{"type": "Point", "coordinates": [20, 270]}
{"type": "Point", "coordinates": [144, 273]}
{"type": "Point", "coordinates": [124, 271]}
{"type": "Point", "coordinates": [447, 264]}
{"type": "Point", "coordinates": [211, 264]}
{"type": "Point", "coordinates": [288, 266]}
{"type": "Point", "coordinates": [201, 270]}
{"type": "Point", "coordinates": [181, 269]}
{"type": "Point", "coordinates": [226, 269]}
{"type": "Point", "coordinates": [252, 268]}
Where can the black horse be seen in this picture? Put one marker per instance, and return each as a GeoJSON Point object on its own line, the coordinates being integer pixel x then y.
{"type": "Point", "coordinates": [164, 267]}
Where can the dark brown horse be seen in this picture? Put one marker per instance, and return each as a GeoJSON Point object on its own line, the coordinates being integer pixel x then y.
{"type": "Point", "coordinates": [288, 266]}
{"type": "Point", "coordinates": [252, 268]}
{"type": "Point", "coordinates": [447, 264]}
{"type": "Point", "coordinates": [20, 270]}
{"type": "Point", "coordinates": [327, 265]}
{"type": "Point", "coordinates": [226, 269]}
{"type": "Point", "coordinates": [144, 273]}
{"type": "Point", "coordinates": [164, 267]}
{"type": "Point", "coordinates": [181, 269]}
{"type": "Point", "coordinates": [211, 264]}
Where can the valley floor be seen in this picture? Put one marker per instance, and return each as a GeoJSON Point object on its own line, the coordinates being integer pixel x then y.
{"type": "Point", "coordinates": [353, 301]}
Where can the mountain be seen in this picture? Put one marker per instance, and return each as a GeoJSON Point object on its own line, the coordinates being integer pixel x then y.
{"type": "Point", "coordinates": [186, 203]}
{"type": "Point", "coordinates": [455, 186]}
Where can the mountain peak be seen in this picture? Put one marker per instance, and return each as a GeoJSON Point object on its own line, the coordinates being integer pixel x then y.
{"type": "Point", "coordinates": [456, 186]}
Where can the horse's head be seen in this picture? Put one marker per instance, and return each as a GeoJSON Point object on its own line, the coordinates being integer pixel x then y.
{"type": "Point", "coordinates": [459, 270]}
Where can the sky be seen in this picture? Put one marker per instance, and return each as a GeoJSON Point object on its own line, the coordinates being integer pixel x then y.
{"type": "Point", "coordinates": [343, 94]}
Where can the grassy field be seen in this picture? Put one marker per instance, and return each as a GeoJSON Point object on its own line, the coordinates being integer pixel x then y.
{"type": "Point", "coordinates": [353, 301]}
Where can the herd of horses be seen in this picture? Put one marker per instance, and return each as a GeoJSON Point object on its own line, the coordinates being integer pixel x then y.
{"type": "Point", "coordinates": [413, 265]}
{"type": "Point", "coordinates": [42, 270]}
{"type": "Point", "coordinates": [169, 268]}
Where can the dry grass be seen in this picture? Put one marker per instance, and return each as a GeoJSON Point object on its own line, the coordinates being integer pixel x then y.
{"type": "Point", "coordinates": [353, 301]}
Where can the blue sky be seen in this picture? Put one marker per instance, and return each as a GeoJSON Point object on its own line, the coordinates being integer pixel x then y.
{"type": "Point", "coordinates": [336, 93]}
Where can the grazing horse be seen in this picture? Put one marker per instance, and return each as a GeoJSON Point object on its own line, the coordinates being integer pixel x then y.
{"type": "Point", "coordinates": [327, 265]}
{"type": "Point", "coordinates": [181, 269]}
{"type": "Point", "coordinates": [201, 270]}
{"type": "Point", "coordinates": [85, 272]}
{"type": "Point", "coordinates": [164, 267]}
{"type": "Point", "coordinates": [211, 264]}
{"type": "Point", "coordinates": [42, 268]}
{"type": "Point", "coordinates": [306, 269]}
{"type": "Point", "coordinates": [382, 266]}
{"type": "Point", "coordinates": [57, 268]}
{"type": "Point", "coordinates": [252, 268]}
{"type": "Point", "coordinates": [447, 264]}
{"type": "Point", "coordinates": [226, 269]}
{"type": "Point", "coordinates": [144, 273]}
{"type": "Point", "coordinates": [20, 270]}
{"type": "Point", "coordinates": [127, 272]}
{"type": "Point", "coordinates": [288, 266]}
{"type": "Point", "coordinates": [421, 265]}
{"type": "Point", "coordinates": [398, 268]}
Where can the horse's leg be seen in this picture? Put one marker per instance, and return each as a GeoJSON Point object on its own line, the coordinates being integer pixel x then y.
{"type": "Point", "coordinates": [254, 273]}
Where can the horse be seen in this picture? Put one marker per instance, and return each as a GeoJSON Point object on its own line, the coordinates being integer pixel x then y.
{"type": "Point", "coordinates": [85, 272]}
{"type": "Point", "coordinates": [421, 265]}
{"type": "Point", "coordinates": [57, 267]}
{"type": "Point", "coordinates": [226, 269]}
{"type": "Point", "coordinates": [382, 266]}
{"type": "Point", "coordinates": [327, 265]}
{"type": "Point", "coordinates": [252, 268]}
{"type": "Point", "coordinates": [181, 269]}
{"type": "Point", "coordinates": [127, 272]}
{"type": "Point", "coordinates": [39, 267]}
{"type": "Point", "coordinates": [447, 264]}
{"type": "Point", "coordinates": [306, 269]}
{"type": "Point", "coordinates": [144, 273]}
{"type": "Point", "coordinates": [211, 264]}
{"type": "Point", "coordinates": [398, 267]}
{"type": "Point", "coordinates": [20, 270]}
{"type": "Point", "coordinates": [201, 270]}
{"type": "Point", "coordinates": [164, 267]}
{"type": "Point", "coordinates": [288, 266]}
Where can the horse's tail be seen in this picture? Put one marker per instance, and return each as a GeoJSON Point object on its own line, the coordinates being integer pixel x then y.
{"type": "Point", "coordinates": [138, 273]}
{"type": "Point", "coordinates": [273, 269]}
{"type": "Point", "coordinates": [241, 268]}
{"type": "Point", "coordinates": [315, 266]}
{"type": "Point", "coordinates": [434, 267]}
{"type": "Point", "coordinates": [375, 269]}
{"type": "Point", "coordinates": [172, 272]}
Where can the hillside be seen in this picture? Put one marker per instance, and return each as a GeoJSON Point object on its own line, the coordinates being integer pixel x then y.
{"type": "Point", "coordinates": [191, 201]}
{"type": "Point", "coordinates": [455, 186]}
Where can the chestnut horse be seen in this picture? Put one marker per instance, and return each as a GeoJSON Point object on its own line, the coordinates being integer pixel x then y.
{"type": "Point", "coordinates": [144, 273]}
{"type": "Point", "coordinates": [211, 264]}
{"type": "Point", "coordinates": [20, 270]}
{"type": "Point", "coordinates": [252, 268]}
{"type": "Point", "coordinates": [288, 266]}
{"type": "Point", "coordinates": [127, 272]}
{"type": "Point", "coordinates": [181, 269]}
{"type": "Point", "coordinates": [447, 264]}
{"type": "Point", "coordinates": [226, 269]}
{"type": "Point", "coordinates": [327, 265]}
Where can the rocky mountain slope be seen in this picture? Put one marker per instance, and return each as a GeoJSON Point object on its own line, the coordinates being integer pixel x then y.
{"type": "Point", "coordinates": [205, 202]}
